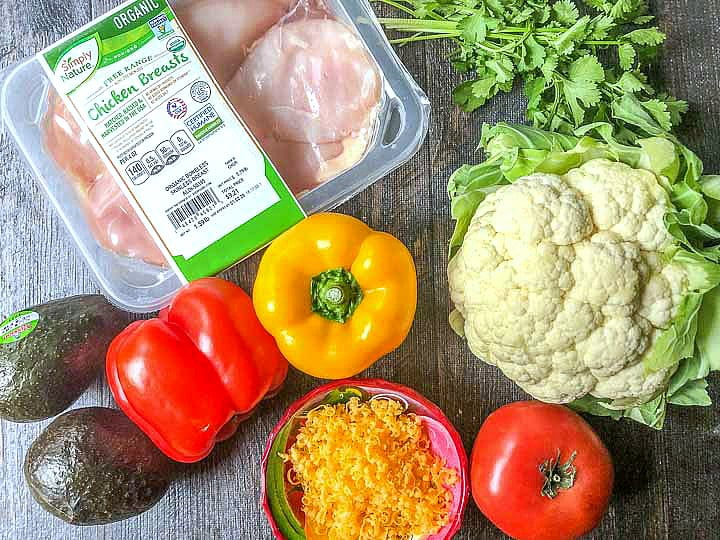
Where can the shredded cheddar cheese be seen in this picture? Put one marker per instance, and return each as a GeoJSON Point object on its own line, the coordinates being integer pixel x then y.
{"type": "Point", "coordinates": [367, 472]}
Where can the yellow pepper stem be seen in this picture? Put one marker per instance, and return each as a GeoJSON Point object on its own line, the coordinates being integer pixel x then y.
{"type": "Point", "coordinates": [335, 294]}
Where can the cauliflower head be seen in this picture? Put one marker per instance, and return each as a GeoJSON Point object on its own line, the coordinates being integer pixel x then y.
{"type": "Point", "coordinates": [561, 284]}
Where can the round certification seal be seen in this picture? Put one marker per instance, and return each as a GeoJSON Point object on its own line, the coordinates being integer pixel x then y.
{"type": "Point", "coordinates": [177, 108]}
{"type": "Point", "coordinates": [200, 91]}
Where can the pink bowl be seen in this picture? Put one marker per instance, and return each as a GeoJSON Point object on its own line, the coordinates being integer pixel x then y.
{"type": "Point", "coordinates": [444, 439]}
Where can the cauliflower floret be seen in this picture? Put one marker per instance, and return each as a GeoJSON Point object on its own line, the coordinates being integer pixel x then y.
{"type": "Point", "coordinates": [551, 210]}
{"type": "Point", "coordinates": [662, 295]}
{"type": "Point", "coordinates": [614, 345]}
{"type": "Point", "coordinates": [556, 377]}
{"type": "Point", "coordinates": [606, 273]}
{"type": "Point", "coordinates": [512, 316]}
{"type": "Point", "coordinates": [632, 382]}
{"type": "Point", "coordinates": [561, 387]}
{"type": "Point", "coordinates": [562, 286]}
{"type": "Point", "coordinates": [629, 202]}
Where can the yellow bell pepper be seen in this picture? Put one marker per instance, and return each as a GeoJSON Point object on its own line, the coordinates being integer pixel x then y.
{"type": "Point", "coordinates": [336, 295]}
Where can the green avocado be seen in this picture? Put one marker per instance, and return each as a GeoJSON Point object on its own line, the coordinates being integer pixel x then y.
{"type": "Point", "coordinates": [94, 466]}
{"type": "Point", "coordinates": [51, 353]}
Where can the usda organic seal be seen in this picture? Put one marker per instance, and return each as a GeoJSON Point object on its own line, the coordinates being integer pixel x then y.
{"type": "Point", "coordinates": [176, 44]}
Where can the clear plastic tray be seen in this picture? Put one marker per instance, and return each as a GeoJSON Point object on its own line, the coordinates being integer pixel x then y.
{"type": "Point", "coordinates": [142, 288]}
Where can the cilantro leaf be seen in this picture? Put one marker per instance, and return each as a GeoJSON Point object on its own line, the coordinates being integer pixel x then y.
{"type": "Point", "coordinates": [601, 27]}
{"type": "Point", "coordinates": [626, 10]}
{"type": "Point", "coordinates": [627, 56]}
{"type": "Point", "coordinates": [465, 98]}
{"type": "Point", "coordinates": [566, 12]}
{"type": "Point", "coordinates": [643, 19]}
{"type": "Point", "coordinates": [676, 108]}
{"type": "Point", "coordinates": [566, 42]}
{"type": "Point", "coordinates": [533, 55]}
{"type": "Point", "coordinates": [646, 36]}
{"type": "Point", "coordinates": [549, 67]}
{"type": "Point", "coordinates": [600, 5]}
{"type": "Point", "coordinates": [587, 68]}
{"type": "Point", "coordinates": [483, 88]}
{"type": "Point", "coordinates": [503, 68]}
{"type": "Point", "coordinates": [534, 89]}
{"type": "Point", "coordinates": [659, 112]}
{"type": "Point", "coordinates": [473, 28]}
{"type": "Point", "coordinates": [496, 6]}
{"type": "Point", "coordinates": [581, 91]}
{"type": "Point", "coordinates": [630, 83]}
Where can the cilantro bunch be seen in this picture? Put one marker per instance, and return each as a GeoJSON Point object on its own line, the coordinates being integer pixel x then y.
{"type": "Point", "coordinates": [580, 63]}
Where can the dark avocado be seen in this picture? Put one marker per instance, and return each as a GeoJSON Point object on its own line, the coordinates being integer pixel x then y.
{"type": "Point", "coordinates": [94, 466]}
{"type": "Point", "coordinates": [44, 372]}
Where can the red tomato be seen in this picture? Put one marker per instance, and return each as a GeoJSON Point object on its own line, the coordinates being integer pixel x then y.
{"type": "Point", "coordinates": [515, 445]}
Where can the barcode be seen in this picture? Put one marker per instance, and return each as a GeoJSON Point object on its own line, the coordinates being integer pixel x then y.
{"type": "Point", "coordinates": [185, 211]}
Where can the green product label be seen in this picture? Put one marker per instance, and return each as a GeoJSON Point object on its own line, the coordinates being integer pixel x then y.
{"type": "Point", "coordinates": [18, 326]}
{"type": "Point", "coordinates": [198, 180]}
{"type": "Point", "coordinates": [207, 129]}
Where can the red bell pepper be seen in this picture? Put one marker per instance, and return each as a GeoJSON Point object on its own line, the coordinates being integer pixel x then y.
{"type": "Point", "coordinates": [188, 378]}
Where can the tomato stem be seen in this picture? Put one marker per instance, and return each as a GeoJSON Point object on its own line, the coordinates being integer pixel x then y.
{"type": "Point", "coordinates": [557, 475]}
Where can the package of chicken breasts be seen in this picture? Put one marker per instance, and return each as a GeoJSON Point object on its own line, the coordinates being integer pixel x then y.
{"type": "Point", "coordinates": [177, 138]}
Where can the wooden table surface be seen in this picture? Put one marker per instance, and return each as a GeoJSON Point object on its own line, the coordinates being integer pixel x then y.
{"type": "Point", "coordinates": [667, 482]}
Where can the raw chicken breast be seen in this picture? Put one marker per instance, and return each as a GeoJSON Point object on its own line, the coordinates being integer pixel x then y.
{"type": "Point", "coordinates": [307, 90]}
{"type": "Point", "coordinates": [111, 218]}
{"type": "Point", "coordinates": [305, 166]}
{"type": "Point", "coordinates": [307, 81]}
{"type": "Point", "coordinates": [224, 30]}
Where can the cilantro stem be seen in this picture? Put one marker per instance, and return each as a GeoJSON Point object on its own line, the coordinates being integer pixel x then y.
{"type": "Point", "coordinates": [405, 7]}
{"type": "Point", "coordinates": [424, 37]}
{"type": "Point", "coordinates": [601, 43]}
{"type": "Point", "coordinates": [556, 103]}
{"type": "Point", "coordinates": [522, 30]}
{"type": "Point", "coordinates": [487, 46]}
{"type": "Point", "coordinates": [404, 41]}
{"type": "Point", "coordinates": [413, 25]}
{"type": "Point", "coordinates": [502, 35]}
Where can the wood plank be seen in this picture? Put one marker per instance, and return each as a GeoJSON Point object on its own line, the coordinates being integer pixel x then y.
{"type": "Point", "coordinates": [37, 260]}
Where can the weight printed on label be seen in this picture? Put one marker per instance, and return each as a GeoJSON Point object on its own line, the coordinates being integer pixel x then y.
{"type": "Point", "coordinates": [195, 207]}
